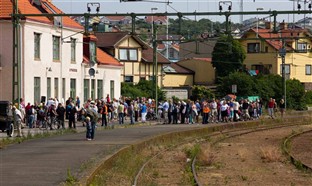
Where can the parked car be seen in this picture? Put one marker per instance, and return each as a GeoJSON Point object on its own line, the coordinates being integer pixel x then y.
{"type": "Point", "coordinates": [6, 118]}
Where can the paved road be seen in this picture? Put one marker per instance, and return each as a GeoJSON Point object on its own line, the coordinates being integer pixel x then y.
{"type": "Point", "coordinates": [45, 161]}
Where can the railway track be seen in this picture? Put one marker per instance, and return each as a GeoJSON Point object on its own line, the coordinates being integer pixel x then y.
{"type": "Point", "coordinates": [220, 135]}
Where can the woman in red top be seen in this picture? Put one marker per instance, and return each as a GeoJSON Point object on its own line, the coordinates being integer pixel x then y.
{"type": "Point", "coordinates": [271, 104]}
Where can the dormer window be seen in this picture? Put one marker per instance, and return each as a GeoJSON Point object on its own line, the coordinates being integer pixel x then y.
{"type": "Point", "coordinates": [128, 54]}
{"type": "Point", "coordinates": [301, 47]}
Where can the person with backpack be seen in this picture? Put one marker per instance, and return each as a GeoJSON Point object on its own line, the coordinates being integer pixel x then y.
{"type": "Point", "coordinates": [31, 116]}
{"type": "Point", "coordinates": [93, 115]}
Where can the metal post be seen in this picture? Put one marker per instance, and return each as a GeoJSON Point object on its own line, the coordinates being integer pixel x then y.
{"type": "Point", "coordinates": [133, 22]}
{"type": "Point", "coordinates": [155, 65]}
{"type": "Point", "coordinates": [16, 86]}
{"type": "Point", "coordinates": [282, 53]}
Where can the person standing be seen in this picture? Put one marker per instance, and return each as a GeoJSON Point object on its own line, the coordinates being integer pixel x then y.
{"type": "Point", "coordinates": [130, 112]}
{"type": "Point", "coordinates": [93, 115]}
{"type": "Point", "coordinates": [165, 107]}
{"type": "Point", "coordinates": [72, 116]}
{"type": "Point", "coordinates": [120, 110]}
{"type": "Point", "coordinates": [170, 109]}
{"type": "Point", "coordinates": [17, 121]}
{"type": "Point", "coordinates": [271, 105]}
{"type": "Point", "coordinates": [89, 128]}
{"type": "Point", "coordinates": [60, 115]}
{"type": "Point", "coordinates": [282, 107]}
{"type": "Point", "coordinates": [136, 111]}
{"type": "Point", "coordinates": [104, 112]}
{"type": "Point", "coordinates": [143, 112]}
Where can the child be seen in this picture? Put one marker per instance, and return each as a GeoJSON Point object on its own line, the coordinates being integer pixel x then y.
{"type": "Point", "coordinates": [89, 128]}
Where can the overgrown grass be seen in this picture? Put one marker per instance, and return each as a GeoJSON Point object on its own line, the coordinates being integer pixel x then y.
{"type": "Point", "coordinates": [270, 154]}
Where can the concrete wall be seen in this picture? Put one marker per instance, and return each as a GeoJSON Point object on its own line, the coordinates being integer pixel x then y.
{"type": "Point", "coordinates": [177, 80]}
{"type": "Point", "coordinates": [179, 93]}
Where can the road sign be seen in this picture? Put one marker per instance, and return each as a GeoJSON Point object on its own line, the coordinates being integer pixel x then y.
{"type": "Point", "coordinates": [91, 72]}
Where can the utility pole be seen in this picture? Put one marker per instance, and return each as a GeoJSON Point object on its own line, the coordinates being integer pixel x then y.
{"type": "Point", "coordinates": [155, 65]}
{"type": "Point", "coordinates": [282, 53]}
{"type": "Point", "coordinates": [17, 70]}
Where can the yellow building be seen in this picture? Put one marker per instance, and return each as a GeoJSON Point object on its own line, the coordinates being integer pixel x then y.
{"type": "Point", "coordinates": [204, 71]}
{"type": "Point", "coordinates": [177, 80]}
{"type": "Point", "coordinates": [263, 53]}
{"type": "Point", "coordinates": [133, 53]}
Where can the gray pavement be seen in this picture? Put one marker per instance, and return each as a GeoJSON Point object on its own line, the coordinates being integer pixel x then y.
{"type": "Point", "coordinates": [46, 161]}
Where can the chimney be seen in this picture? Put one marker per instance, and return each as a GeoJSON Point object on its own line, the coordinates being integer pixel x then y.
{"type": "Point", "coordinates": [283, 25]}
{"type": "Point", "coordinates": [268, 25]}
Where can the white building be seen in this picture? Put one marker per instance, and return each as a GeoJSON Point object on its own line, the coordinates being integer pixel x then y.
{"type": "Point", "coordinates": [52, 62]}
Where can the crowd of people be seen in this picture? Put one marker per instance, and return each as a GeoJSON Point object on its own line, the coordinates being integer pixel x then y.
{"type": "Point", "coordinates": [105, 112]}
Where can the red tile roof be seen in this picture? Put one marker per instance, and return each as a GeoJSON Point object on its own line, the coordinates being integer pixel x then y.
{"type": "Point", "coordinates": [195, 59]}
{"type": "Point", "coordinates": [267, 34]}
{"type": "Point", "coordinates": [112, 39]}
{"type": "Point", "coordinates": [25, 7]}
{"type": "Point", "coordinates": [147, 56]}
{"type": "Point", "coordinates": [150, 19]}
{"type": "Point", "coordinates": [103, 59]}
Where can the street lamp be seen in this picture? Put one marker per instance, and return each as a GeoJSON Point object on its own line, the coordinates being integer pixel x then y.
{"type": "Point", "coordinates": [258, 21]}
{"type": "Point", "coordinates": [229, 3]}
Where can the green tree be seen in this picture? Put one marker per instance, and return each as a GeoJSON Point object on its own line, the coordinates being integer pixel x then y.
{"type": "Point", "coordinates": [227, 56]}
{"type": "Point", "coordinates": [295, 94]}
{"type": "Point", "coordinates": [201, 92]}
{"type": "Point", "coordinates": [142, 89]}
{"type": "Point", "coordinates": [244, 82]}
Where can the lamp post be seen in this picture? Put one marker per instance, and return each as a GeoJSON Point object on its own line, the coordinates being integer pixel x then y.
{"type": "Point", "coordinates": [258, 21]}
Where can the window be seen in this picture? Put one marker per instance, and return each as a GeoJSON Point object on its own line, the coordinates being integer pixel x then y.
{"type": "Point", "coordinates": [151, 78]}
{"type": "Point", "coordinates": [56, 87]}
{"type": "Point", "coordinates": [92, 52]}
{"type": "Point", "coordinates": [287, 69]}
{"type": "Point", "coordinates": [63, 87]}
{"type": "Point", "coordinates": [72, 88]}
{"type": "Point", "coordinates": [37, 45]}
{"type": "Point", "coordinates": [48, 88]}
{"type": "Point", "coordinates": [128, 54]}
{"type": "Point", "coordinates": [301, 47]}
{"type": "Point", "coordinates": [86, 89]}
{"type": "Point", "coordinates": [93, 89]}
{"type": "Point", "coordinates": [129, 79]}
{"type": "Point", "coordinates": [308, 69]}
{"type": "Point", "coordinates": [142, 78]}
{"type": "Point", "coordinates": [253, 47]}
{"type": "Point", "coordinates": [112, 89]}
{"type": "Point", "coordinates": [37, 89]}
{"type": "Point", "coordinates": [99, 88]}
{"type": "Point", "coordinates": [263, 69]}
{"type": "Point", "coordinates": [72, 50]}
{"type": "Point", "coordinates": [171, 53]}
{"type": "Point", "coordinates": [56, 48]}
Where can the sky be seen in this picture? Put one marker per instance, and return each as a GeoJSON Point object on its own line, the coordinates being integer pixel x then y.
{"type": "Point", "coordinates": [115, 6]}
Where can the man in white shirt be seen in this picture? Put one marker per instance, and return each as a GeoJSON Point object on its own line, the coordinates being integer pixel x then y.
{"type": "Point", "coordinates": [17, 120]}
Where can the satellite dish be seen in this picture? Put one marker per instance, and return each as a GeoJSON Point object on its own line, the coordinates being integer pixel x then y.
{"type": "Point", "coordinates": [91, 72]}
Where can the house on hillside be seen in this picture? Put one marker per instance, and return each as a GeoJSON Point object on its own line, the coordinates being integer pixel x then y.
{"type": "Point", "coordinates": [135, 55]}
{"type": "Point", "coordinates": [196, 49]}
{"type": "Point", "coordinates": [171, 50]}
{"type": "Point", "coordinates": [51, 53]}
{"type": "Point", "coordinates": [263, 54]}
{"type": "Point", "coordinates": [159, 20]}
{"type": "Point", "coordinates": [106, 79]}
{"type": "Point", "coordinates": [177, 80]}
{"type": "Point", "coordinates": [117, 20]}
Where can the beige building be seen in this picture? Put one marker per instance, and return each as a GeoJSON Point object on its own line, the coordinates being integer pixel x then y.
{"type": "Point", "coordinates": [177, 80]}
{"type": "Point", "coordinates": [263, 54]}
{"type": "Point", "coordinates": [135, 55]}
{"type": "Point", "coordinates": [204, 71]}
